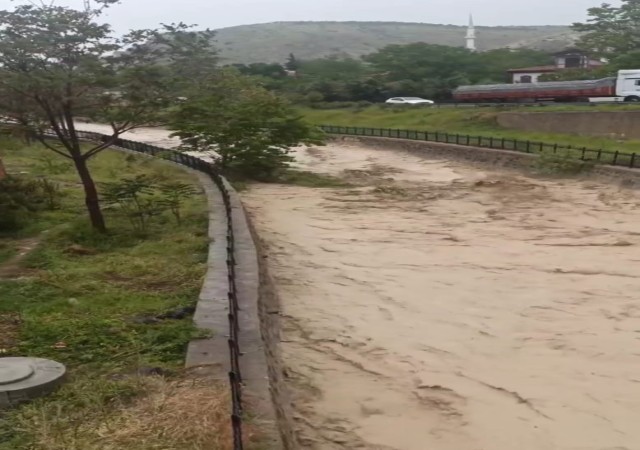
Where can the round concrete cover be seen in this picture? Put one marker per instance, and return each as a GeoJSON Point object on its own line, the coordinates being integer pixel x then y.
{"type": "Point", "coordinates": [23, 379]}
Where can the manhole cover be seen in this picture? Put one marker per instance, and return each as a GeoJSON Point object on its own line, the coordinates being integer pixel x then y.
{"type": "Point", "coordinates": [22, 379]}
{"type": "Point", "coordinates": [13, 370]}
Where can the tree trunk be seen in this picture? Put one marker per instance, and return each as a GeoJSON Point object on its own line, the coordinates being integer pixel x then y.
{"type": "Point", "coordinates": [91, 194]}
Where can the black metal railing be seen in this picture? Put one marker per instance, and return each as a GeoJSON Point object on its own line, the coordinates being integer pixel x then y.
{"type": "Point", "coordinates": [235, 377]}
{"type": "Point", "coordinates": [601, 156]}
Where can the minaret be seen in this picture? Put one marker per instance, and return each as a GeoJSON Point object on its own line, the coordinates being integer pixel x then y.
{"type": "Point", "coordinates": [471, 35]}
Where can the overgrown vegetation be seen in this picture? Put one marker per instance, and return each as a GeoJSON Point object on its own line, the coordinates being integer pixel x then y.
{"type": "Point", "coordinates": [21, 198]}
{"type": "Point", "coordinates": [141, 198]}
{"type": "Point", "coordinates": [416, 69]}
{"type": "Point", "coordinates": [612, 31]}
{"type": "Point", "coordinates": [548, 163]}
{"type": "Point", "coordinates": [98, 303]}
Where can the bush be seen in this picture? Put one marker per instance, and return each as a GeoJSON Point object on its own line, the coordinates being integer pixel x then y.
{"type": "Point", "coordinates": [334, 105]}
{"type": "Point", "coordinates": [566, 164]}
{"type": "Point", "coordinates": [20, 199]}
{"type": "Point", "coordinates": [141, 198]}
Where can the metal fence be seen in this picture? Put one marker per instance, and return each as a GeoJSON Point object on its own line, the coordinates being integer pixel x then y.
{"type": "Point", "coordinates": [601, 156]}
{"type": "Point", "coordinates": [235, 376]}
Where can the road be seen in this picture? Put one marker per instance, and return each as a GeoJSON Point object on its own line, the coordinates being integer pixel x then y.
{"type": "Point", "coordinates": [438, 306]}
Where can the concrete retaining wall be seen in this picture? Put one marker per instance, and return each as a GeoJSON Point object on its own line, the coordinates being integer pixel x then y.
{"type": "Point", "coordinates": [254, 363]}
{"type": "Point", "coordinates": [211, 355]}
{"type": "Point", "coordinates": [487, 157]}
{"type": "Point", "coordinates": [618, 124]}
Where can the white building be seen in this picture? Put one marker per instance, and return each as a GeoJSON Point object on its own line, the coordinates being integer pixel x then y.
{"type": "Point", "coordinates": [568, 59]}
{"type": "Point", "coordinates": [471, 35]}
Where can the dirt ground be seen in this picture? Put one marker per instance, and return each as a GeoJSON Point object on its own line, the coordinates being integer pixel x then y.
{"type": "Point", "coordinates": [438, 306]}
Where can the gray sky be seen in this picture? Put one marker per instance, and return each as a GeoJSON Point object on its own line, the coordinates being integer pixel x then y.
{"type": "Point", "coordinates": [225, 13]}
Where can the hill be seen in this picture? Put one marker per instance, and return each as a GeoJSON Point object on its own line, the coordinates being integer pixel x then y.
{"type": "Point", "coordinates": [272, 42]}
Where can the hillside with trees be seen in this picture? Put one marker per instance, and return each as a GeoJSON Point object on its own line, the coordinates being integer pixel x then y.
{"type": "Point", "coordinates": [273, 42]}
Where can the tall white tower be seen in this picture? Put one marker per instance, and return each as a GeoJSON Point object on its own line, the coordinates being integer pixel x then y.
{"type": "Point", "coordinates": [471, 35]}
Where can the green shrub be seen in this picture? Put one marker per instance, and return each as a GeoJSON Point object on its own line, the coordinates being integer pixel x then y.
{"type": "Point", "coordinates": [561, 164]}
{"type": "Point", "coordinates": [21, 198]}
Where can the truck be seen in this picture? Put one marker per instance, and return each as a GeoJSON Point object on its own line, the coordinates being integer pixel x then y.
{"type": "Point", "coordinates": [624, 87]}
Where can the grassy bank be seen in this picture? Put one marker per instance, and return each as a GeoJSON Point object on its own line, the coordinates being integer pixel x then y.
{"type": "Point", "coordinates": [475, 121]}
{"type": "Point", "coordinates": [115, 309]}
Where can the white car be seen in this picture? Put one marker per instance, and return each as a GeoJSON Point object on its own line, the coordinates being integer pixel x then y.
{"type": "Point", "coordinates": [409, 101]}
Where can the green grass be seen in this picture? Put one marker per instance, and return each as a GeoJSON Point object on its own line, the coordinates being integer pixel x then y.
{"type": "Point", "coordinates": [474, 121]}
{"type": "Point", "coordinates": [84, 308]}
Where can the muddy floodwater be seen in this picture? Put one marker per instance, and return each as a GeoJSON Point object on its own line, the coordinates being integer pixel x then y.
{"type": "Point", "coordinates": [433, 305]}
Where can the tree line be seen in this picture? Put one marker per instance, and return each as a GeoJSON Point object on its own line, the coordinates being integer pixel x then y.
{"type": "Point", "coordinates": [417, 69]}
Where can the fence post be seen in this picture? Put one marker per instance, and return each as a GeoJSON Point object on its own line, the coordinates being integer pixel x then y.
{"type": "Point", "coordinates": [457, 139]}
{"type": "Point", "coordinates": [633, 160]}
{"type": "Point", "coordinates": [528, 147]}
{"type": "Point", "coordinates": [468, 140]}
{"type": "Point", "coordinates": [584, 151]}
{"type": "Point", "coordinates": [437, 136]}
{"type": "Point", "coordinates": [615, 157]}
{"type": "Point", "coordinates": [502, 146]}
{"type": "Point", "coordinates": [555, 148]}
{"type": "Point", "coordinates": [491, 142]}
{"type": "Point", "coordinates": [599, 155]}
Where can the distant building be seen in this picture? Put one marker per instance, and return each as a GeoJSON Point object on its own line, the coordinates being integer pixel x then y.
{"type": "Point", "coordinates": [567, 59]}
{"type": "Point", "coordinates": [471, 35]}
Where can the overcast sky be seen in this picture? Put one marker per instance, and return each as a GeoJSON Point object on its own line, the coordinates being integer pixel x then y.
{"type": "Point", "coordinates": [224, 13]}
